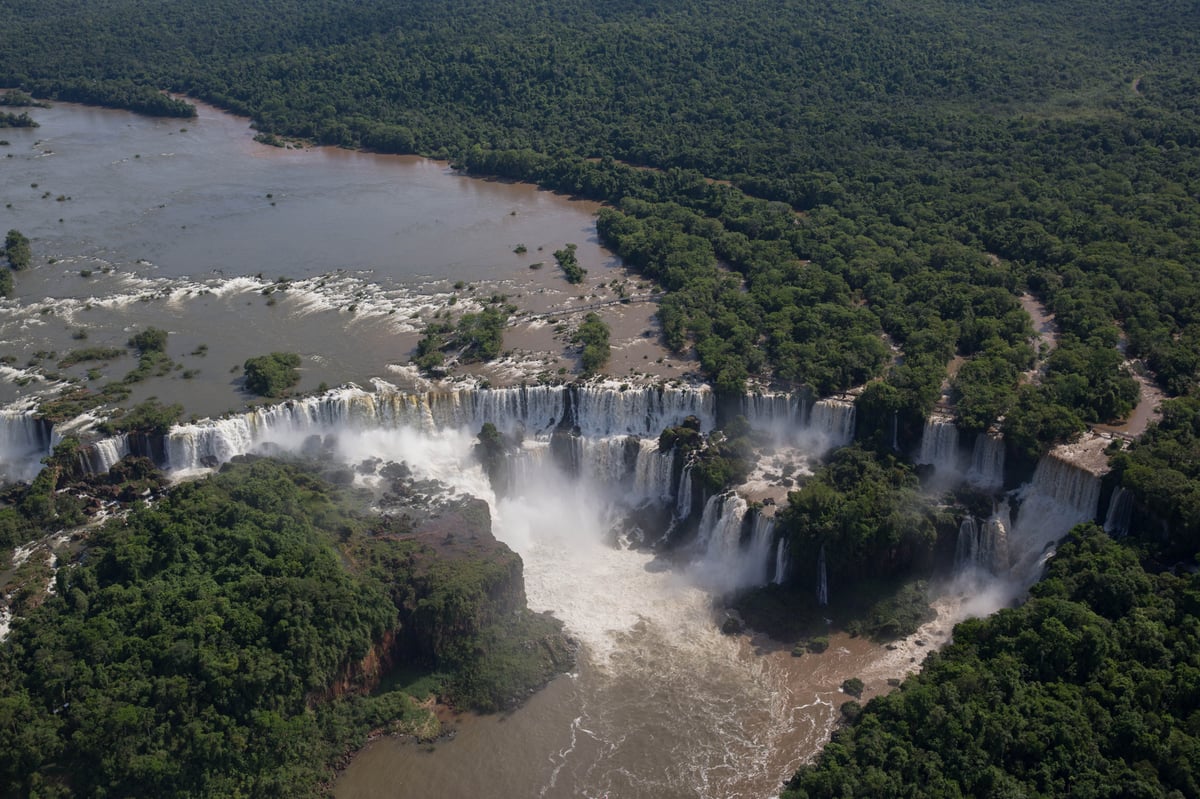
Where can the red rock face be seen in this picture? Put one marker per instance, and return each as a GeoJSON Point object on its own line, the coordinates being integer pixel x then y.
{"type": "Point", "coordinates": [363, 676]}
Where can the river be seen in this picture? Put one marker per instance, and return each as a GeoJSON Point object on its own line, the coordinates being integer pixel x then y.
{"type": "Point", "coordinates": [183, 224]}
{"type": "Point", "coordinates": [188, 225]}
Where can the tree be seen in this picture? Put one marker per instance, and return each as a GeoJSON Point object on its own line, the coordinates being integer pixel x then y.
{"type": "Point", "coordinates": [272, 375]}
{"type": "Point", "coordinates": [570, 264]}
{"type": "Point", "coordinates": [16, 249]}
{"type": "Point", "coordinates": [593, 334]}
{"type": "Point", "coordinates": [150, 340]}
{"type": "Point", "coordinates": [150, 416]}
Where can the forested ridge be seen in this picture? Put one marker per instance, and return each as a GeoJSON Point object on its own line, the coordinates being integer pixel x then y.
{"type": "Point", "coordinates": [229, 640]}
{"type": "Point", "coordinates": [827, 193]}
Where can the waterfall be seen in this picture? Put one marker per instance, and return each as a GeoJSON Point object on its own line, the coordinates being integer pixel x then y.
{"type": "Point", "coordinates": [966, 547]}
{"type": "Point", "coordinates": [984, 547]}
{"type": "Point", "coordinates": [781, 562]}
{"type": "Point", "coordinates": [526, 465]}
{"type": "Point", "coordinates": [779, 414]}
{"type": "Point", "coordinates": [683, 503]}
{"type": "Point", "coordinates": [100, 456]}
{"type": "Point", "coordinates": [895, 431]}
{"type": "Point", "coordinates": [538, 408]}
{"type": "Point", "coordinates": [764, 411]}
{"type": "Point", "coordinates": [653, 472]}
{"type": "Point", "coordinates": [1120, 512]}
{"type": "Point", "coordinates": [1060, 496]}
{"type": "Point", "coordinates": [939, 445]}
{"type": "Point", "coordinates": [830, 423]}
{"type": "Point", "coordinates": [793, 417]}
{"type": "Point", "coordinates": [822, 579]}
{"type": "Point", "coordinates": [987, 462]}
{"type": "Point", "coordinates": [606, 462]}
{"type": "Point", "coordinates": [724, 565]}
{"type": "Point", "coordinates": [605, 410]}
{"type": "Point", "coordinates": [599, 411]}
{"type": "Point", "coordinates": [758, 550]}
{"type": "Point", "coordinates": [24, 441]}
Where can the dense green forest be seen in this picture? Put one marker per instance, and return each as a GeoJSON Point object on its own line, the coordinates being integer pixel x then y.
{"type": "Point", "coordinates": [827, 193]}
{"type": "Point", "coordinates": [225, 640]}
{"type": "Point", "coordinates": [1091, 688]}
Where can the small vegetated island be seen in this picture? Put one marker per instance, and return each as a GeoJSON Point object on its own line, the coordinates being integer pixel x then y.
{"type": "Point", "coordinates": [829, 196]}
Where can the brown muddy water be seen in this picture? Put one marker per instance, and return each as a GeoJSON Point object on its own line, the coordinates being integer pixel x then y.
{"type": "Point", "coordinates": [187, 225]}
{"type": "Point", "coordinates": [716, 717]}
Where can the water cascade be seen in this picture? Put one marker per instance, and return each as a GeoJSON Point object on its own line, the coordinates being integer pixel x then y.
{"type": "Point", "coordinates": [723, 564]}
{"type": "Point", "coordinates": [596, 411]}
{"type": "Point", "coordinates": [683, 503]}
{"type": "Point", "coordinates": [781, 562]}
{"type": "Point", "coordinates": [830, 424]}
{"type": "Point", "coordinates": [648, 632]}
{"type": "Point", "coordinates": [987, 462]}
{"type": "Point", "coordinates": [782, 414]}
{"type": "Point", "coordinates": [606, 461]}
{"type": "Point", "coordinates": [607, 410]}
{"type": "Point", "coordinates": [104, 454]}
{"type": "Point", "coordinates": [24, 441]}
{"type": "Point", "coordinates": [795, 418]}
{"type": "Point", "coordinates": [967, 543]}
{"type": "Point", "coordinates": [983, 547]}
{"type": "Point", "coordinates": [1120, 512]}
{"type": "Point", "coordinates": [939, 445]}
{"type": "Point", "coordinates": [758, 554]}
{"type": "Point", "coordinates": [653, 471]}
{"type": "Point", "coordinates": [1060, 496]}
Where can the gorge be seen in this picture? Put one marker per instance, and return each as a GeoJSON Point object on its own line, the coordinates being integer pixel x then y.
{"type": "Point", "coordinates": [879, 287]}
{"type": "Point", "coordinates": [644, 602]}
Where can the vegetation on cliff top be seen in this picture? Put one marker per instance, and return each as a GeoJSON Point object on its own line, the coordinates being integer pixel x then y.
{"type": "Point", "coordinates": [1162, 469]}
{"type": "Point", "coordinates": [198, 647]}
{"type": "Point", "coordinates": [476, 336]}
{"type": "Point", "coordinates": [593, 336]}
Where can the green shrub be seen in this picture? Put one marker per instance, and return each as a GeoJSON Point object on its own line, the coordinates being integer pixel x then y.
{"type": "Point", "coordinates": [570, 264]}
{"type": "Point", "coordinates": [272, 375]}
{"type": "Point", "coordinates": [16, 249]}
{"type": "Point", "coordinates": [152, 339]}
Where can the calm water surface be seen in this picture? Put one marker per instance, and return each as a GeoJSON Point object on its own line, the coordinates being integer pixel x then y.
{"type": "Point", "coordinates": [183, 224]}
